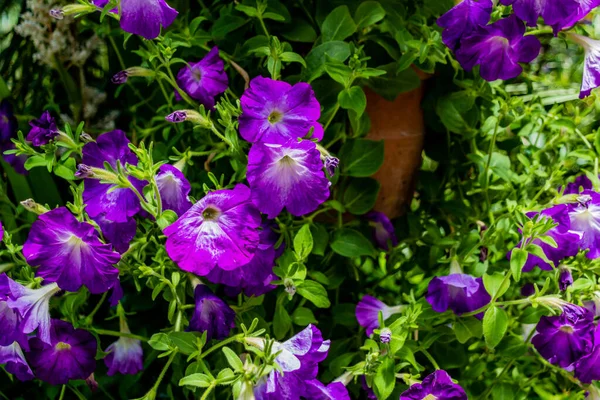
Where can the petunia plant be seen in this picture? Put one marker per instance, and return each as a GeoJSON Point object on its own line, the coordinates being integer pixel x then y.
{"type": "Point", "coordinates": [195, 199]}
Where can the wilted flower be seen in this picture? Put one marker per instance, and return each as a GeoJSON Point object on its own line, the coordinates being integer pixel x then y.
{"type": "Point", "coordinates": [117, 205]}
{"type": "Point", "coordinates": [275, 112]}
{"type": "Point", "coordinates": [438, 385]}
{"type": "Point", "coordinates": [564, 339]}
{"type": "Point", "coordinates": [219, 231]}
{"type": "Point", "coordinates": [31, 304]}
{"type": "Point", "coordinates": [463, 19]}
{"type": "Point", "coordinates": [385, 234]}
{"type": "Point", "coordinates": [174, 189]}
{"type": "Point", "coordinates": [288, 175]}
{"type": "Point", "coordinates": [367, 312]}
{"type": "Point", "coordinates": [205, 79]}
{"type": "Point", "coordinates": [42, 130]}
{"type": "Point", "coordinates": [498, 49]}
{"type": "Point", "coordinates": [460, 293]}
{"type": "Point", "coordinates": [14, 362]}
{"type": "Point", "coordinates": [69, 355]}
{"type": "Point", "coordinates": [211, 315]}
{"type": "Point", "coordinates": [565, 278]}
{"type": "Point", "coordinates": [70, 253]}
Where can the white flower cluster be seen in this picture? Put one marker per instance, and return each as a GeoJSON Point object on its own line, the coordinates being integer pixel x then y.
{"type": "Point", "coordinates": [53, 39]}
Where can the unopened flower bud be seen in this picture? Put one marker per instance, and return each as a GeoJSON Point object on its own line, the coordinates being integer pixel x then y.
{"type": "Point", "coordinates": [565, 279]}
{"type": "Point", "coordinates": [331, 164]}
{"type": "Point", "coordinates": [86, 138]}
{"type": "Point", "coordinates": [176, 117]}
{"type": "Point", "coordinates": [32, 206]}
{"type": "Point", "coordinates": [121, 77]}
{"type": "Point", "coordinates": [57, 13]}
{"type": "Point", "coordinates": [385, 335]}
{"type": "Point", "coordinates": [86, 172]}
{"type": "Point", "coordinates": [289, 286]}
{"type": "Point", "coordinates": [188, 115]}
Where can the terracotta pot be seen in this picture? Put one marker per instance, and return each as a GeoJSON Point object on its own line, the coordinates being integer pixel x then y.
{"type": "Point", "coordinates": [400, 125]}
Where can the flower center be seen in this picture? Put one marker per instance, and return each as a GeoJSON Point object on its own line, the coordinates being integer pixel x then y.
{"type": "Point", "coordinates": [287, 161]}
{"type": "Point", "coordinates": [567, 329]}
{"type": "Point", "coordinates": [60, 346]}
{"type": "Point", "coordinates": [430, 397]}
{"type": "Point", "coordinates": [210, 214]}
{"type": "Point", "coordinates": [275, 117]}
{"type": "Point", "coordinates": [196, 74]}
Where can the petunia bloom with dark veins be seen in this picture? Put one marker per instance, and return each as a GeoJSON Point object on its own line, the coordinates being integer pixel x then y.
{"type": "Point", "coordinates": [584, 216]}
{"type": "Point", "coordinates": [211, 314]}
{"type": "Point", "coordinates": [43, 130]}
{"type": "Point", "coordinates": [70, 253]}
{"type": "Point", "coordinates": [205, 79]}
{"type": "Point", "coordinates": [437, 385]}
{"type": "Point", "coordinates": [460, 293]}
{"type": "Point", "coordinates": [275, 112]}
{"type": "Point", "coordinates": [463, 19]}
{"type": "Point", "coordinates": [565, 338]}
{"type": "Point", "coordinates": [117, 205]}
{"type": "Point", "coordinates": [591, 66]}
{"type": "Point", "coordinates": [219, 231]}
{"type": "Point", "coordinates": [498, 49]}
{"type": "Point", "coordinates": [69, 355]}
{"type": "Point", "coordinates": [553, 12]}
{"type": "Point", "coordinates": [288, 175]}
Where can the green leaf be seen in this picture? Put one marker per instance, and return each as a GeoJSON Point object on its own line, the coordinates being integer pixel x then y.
{"type": "Point", "coordinates": [368, 13]}
{"type": "Point", "coordinates": [385, 379]}
{"type": "Point", "coordinates": [160, 342]}
{"type": "Point", "coordinates": [233, 359]}
{"type": "Point", "coordinates": [353, 99]}
{"type": "Point", "coordinates": [361, 157]}
{"type": "Point", "coordinates": [466, 328]}
{"type": "Point", "coordinates": [226, 24]}
{"type": "Point", "coordinates": [494, 284]}
{"type": "Point", "coordinates": [273, 16]}
{"type": "Point", "coordinates": [503, 391]}
{"type": "Point", "coordinates": [351, 243]}
{"type": "Point", "coordinates": [338, 25]}
{"type": "Point", "coordinates": [495, 323]}
{"type": "Point", "coordinates": [185, 341]}
{"type": "Point", "coordinates": [315, 293]}
{"type": "Point", "coordinates": [360, 195]}
{"type": "Point", "coordinates": [282, 322]}
{"type": "Point", "coordinates": [303, 242]}
{"type": "Point", "coordinates": [197, 380]}
{"type": "Point", "coordinates": [289, 56]}
{"type": "Point", "coordinates": [249, 11]}
{"type": "Point", "coordinates": [300, 31]}
{"type": "Point", "coordinates": [457, 111]}
{"type": "Point", "coordinates": [316, 59]}
{"type": "Point", "coordinates": [518, 258]}
{"type": "Point", "coordinates": [320, 239]}
{"type": "Point", "coordinates": [4, 92]}
{"type": "Point", "coordinates": [303, 316]}
{"type": "Point", "coordinates": [390, 85]}
{"type": "Point", "coordinates": [338, 71]}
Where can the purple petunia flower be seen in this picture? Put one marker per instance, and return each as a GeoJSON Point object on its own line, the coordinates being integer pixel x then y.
{"type": "Point", "coordinates": [69, 355]}
{"type": "Point", "coordinates": [174, 189]}
{"type": "Point", "coordinates": [370, 393]}
{"type": "Point", "coordinates": [70, 253]}
{"type": "Point", "coordinates": [32, 305]}
{"type": "Point", "coordinates": [587, 369]}
{"type": "Point", "coordinates": [219, 231]}
{"type": "Point", "coordinates": [287, 175]}
{"type": "Point", "coordinates": [367, 312]}
{"type": "Point", "coordinates": [254, 278]}
{"type": "Point", "coordinates": [564, 339]}
{"type": "Point", "coordinates": [584, 7]}
{"type": "Point", "coordinates": [565, 279]}
{"type": "Point", "coordinates": [119, 234]}
{"type": "Point", "coordinates": [553, 12]}
{"type": "Point", "coordinates": [437, 385]}
{"type": "Point", "coordinates": [315, 390]}
{"type": "Point", "coordinates": [298, 359]}
{"type": "Point", "coordinates": [211, 315]}
{"type": "Point", "coordinates": [15, 161]}
{"type": "Point", "coordinates": [591, 66]}
{"type": "Point", "coordinates": [14, 362]}
{"type": "Point", "coordinates": [584, 216]}
{"type": "Point", "coordinates": [43, 130]}
{"type": "Point", "coordinates": [125, 356]}
{"type": "Point", "coordinates": [581, 183]}
{"type": "Point", "coordinates": [463, 19]}
{"type": "Point", "coordinates": [8, 122]}
{"type": "Point", "coordinates": [275, 112]}
{"type": "Point", "coordinates": [566, 240]}
{"type": "Point", "coordinates": [384, 230]}
{"type": "Point", "coordinates": [460, 293]}
{"type": "Point", "coordinates": [205, 79]}
{"type": "Point", "coordinates": [117, 205]}
{"type": "Point", "coordinates": [498, 49]}
{"type": "Point", "coordinates": [10, 321]}
{"type": "Point", "coordinates": [143, 17]}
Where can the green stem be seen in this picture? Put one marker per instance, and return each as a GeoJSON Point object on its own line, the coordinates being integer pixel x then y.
{"type": "Point", "coordinates": [337, 107]}
{"type": "Point", "coordinates": [486, 170]}
{"type": "Point", "coordinates": [221, 344]}
{"type": "Point", "coordinates": [264, 28]}
{"type": "Point", "coordinates": [207, 392]}
{"type": "Point", "coordinates": [90, 317]}
{"type": "Point", "coordinates": [62, 392]}
{"type": "Point", "coordinates": [430, 358]}
{"type": "Point", "coordinates": [119, 334]}
{"type": "Point", "coordinates": [214, 130]}
{"type": "Point", "coordinates": [164, 371]}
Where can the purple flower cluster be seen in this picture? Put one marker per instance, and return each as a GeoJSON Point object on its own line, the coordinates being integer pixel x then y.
{"type": "Point", "coordinates": [438, 385]}
{"type": "Point", "coordinates": [203, 80]}
{"type": "Point", "coordinates": [461, 293]}
{"type": "Point", "coordinates": [298, 360]}
{"type": "Point", "coordinates": [43, 130]}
